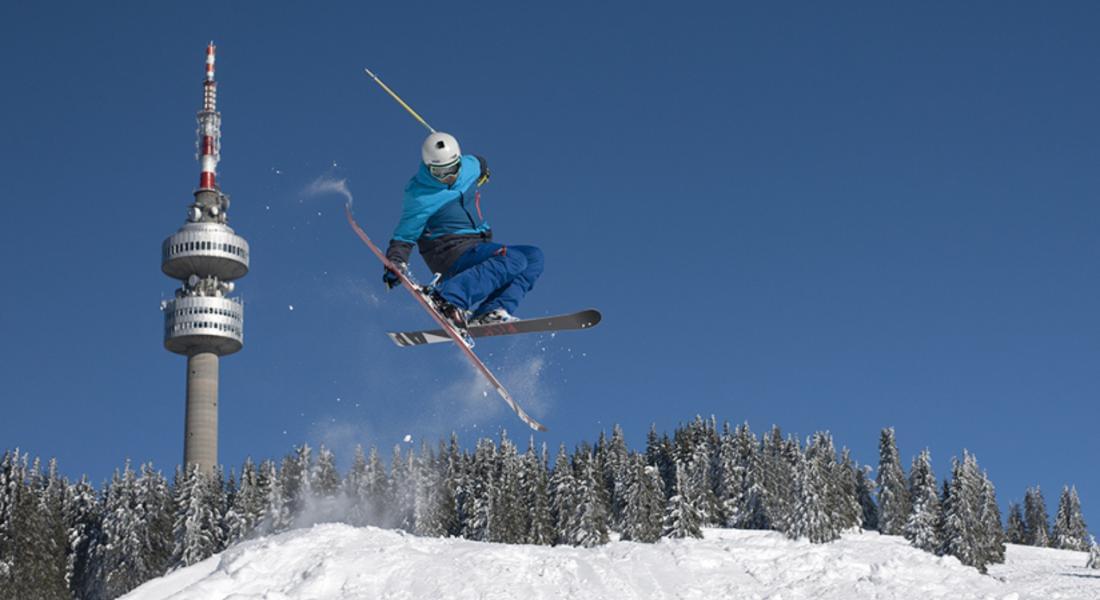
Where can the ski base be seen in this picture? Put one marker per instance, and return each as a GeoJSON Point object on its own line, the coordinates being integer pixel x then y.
{"type": "Point", "coordinates": [584, 319]}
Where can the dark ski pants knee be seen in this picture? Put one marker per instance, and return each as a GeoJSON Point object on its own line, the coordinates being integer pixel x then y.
{"type": "Point", "coordinates": [492, 275]}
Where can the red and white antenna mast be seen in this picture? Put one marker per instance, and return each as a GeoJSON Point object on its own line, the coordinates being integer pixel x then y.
{"type": "Point", "coordinates": [210, 132]}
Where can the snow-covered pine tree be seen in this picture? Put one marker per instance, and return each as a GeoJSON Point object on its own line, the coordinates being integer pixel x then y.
{"type": "Point", "coordinates": [294, 482]}
{"type": "Point", "coordinates": [967, 533]}
{"type": "Point", "coordinates": [682, 518]}
{"type": "Point", "coordinates": [700, 477]}
{"type": "Point", "coordinates": [324, 478]}
{"type": "Point", "coordinates": [354, 488]}
{"type": "Point", "coordinates": [792, 456]}
{"type": "Point", "coordinates": [993, 534]}
{"type": "Point", "coordinates": [508, 523]}
{"type": "Point", "coordinates": [777, 460]}
{"type": "Point", "coordinates": [248, 505]}
{"type": "Point", "coordinates": [815, 513]}
{"type": "Point", "coordinates": [21, 528]}
{"type": "Point", "coordinates": [156, 513]}
{"type": "Point", "coordinates": [377, 491]}
{"type": "Point", "coordinates": [960, 509]}
{"type": "Point", "coordinates": [846, 503]}
{"type": "Point", "coordinates": [658, 452]}
{"type": "Point", "coordinates": [451, 482]}
{"type": "Point", "coordinates": [564, 497]}
{"type": "Point", "coordinates": [591, 517]}
{"type": "Point", "coordinates": [52, 547]}
{"type": "Point", "coordinates": [1094, 555]}
{"type": "Point", "coordinates": [8, 491]}
{"type": "Point", "coordinates": [865, 495]}
{"type": "Point", "coordinates": [38, 561]}
{"type": "Point", "coordinates": [428, 479]}
{"type": "Point", "coordinates": [299, 495]}
{"type": "Point", "coordinates": [535, 494]}
{"type": "Point", "coordinates": [196, 525]}
{"type": "Point", "coordinates": [893, 495]}
{"type": "Point", "coordinates": [751, 508]}
{"type": "Point", "coordinates": [402, 491]}
{"type": "Point", "coordinates": [807, 511]}
{"type": "Point", "coordinates": [220, 491]}
{"type": "Point", "coordinates": [922, 529]}
{"type": "Point", "coordinates": [479, 495]}
{"type": "Point", "coordinates": [1035, 517]}
{"type": "Point", "coordinates": [731, 481]}
{"type": "Point", "coordinates": [277, 517]}
{"type": "Point", "coordinates": [685, 438]}
{"type": "Point", "coordinates": [18, 507]}
{"type": "Point", "coordinates": [643, 515]}
{"type": "Point", "coordinates": [1070, 531]}
{"type": "Point", "coordinates": [6, 501]}
{"type": "Point", "coordinates": [584, 455]}
{"type": "Point", "coordinates": [119, 552]}
{"type": "Point", "coordinates": [1015, 530]}
{"type": "Point", "coordinates": [615, 464]}
{"type": "Point", "coordinates": [83, 520]}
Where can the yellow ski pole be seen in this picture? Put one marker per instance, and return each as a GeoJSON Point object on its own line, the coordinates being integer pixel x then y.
{"type": "Point", "coordinates": [399, 100]}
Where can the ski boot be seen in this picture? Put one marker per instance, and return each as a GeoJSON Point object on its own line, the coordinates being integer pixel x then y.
{"type": "Point", "coordinates": [456, 316]}
{"type": "Point", "coordinates": [493, 317]}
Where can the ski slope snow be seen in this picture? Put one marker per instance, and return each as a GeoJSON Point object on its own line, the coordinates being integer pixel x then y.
{"type": "Point", "coordinates": [339, 562]}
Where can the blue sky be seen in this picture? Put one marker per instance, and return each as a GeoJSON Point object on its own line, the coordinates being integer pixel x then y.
{"type": "Point", "coordinates": [828, 218]}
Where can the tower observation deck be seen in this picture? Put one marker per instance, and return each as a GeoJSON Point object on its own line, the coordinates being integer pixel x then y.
{"type": "Point", "coordinates": [203, 322]}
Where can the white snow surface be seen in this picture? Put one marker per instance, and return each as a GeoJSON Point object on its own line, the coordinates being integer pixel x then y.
{"type": "Point", "coordinates": [339, 562]}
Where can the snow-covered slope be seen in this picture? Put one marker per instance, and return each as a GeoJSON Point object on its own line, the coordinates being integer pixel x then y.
{"type": "Point", "coordinates": [338, 562]}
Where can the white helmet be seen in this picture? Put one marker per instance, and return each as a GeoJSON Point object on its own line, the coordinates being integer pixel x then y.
{"type": "Point", "coordinates": [440, 149]}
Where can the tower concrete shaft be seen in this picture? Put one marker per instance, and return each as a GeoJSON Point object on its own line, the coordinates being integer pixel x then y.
{"type": "Point", "coordinates": [203, 322]}
{"type": "Point", "coordinates": [200, 438]}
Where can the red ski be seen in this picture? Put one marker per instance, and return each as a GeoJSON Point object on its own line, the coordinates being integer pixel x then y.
{"type": "Point", "coordinates": [459, 339]}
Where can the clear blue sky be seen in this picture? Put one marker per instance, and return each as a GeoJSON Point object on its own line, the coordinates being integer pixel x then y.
{"type": "Point", "coordinates": [829, 218]}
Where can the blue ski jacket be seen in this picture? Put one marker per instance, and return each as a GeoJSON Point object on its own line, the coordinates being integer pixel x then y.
{"type": "Point", "coordinates": [442, 220]}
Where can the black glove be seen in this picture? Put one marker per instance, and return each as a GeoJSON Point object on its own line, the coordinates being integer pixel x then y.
{"type": "Point", "coordinates": [390, 277]}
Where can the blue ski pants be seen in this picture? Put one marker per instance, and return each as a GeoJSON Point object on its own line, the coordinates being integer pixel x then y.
{"type": "Point", "coordinates": [489, 276]}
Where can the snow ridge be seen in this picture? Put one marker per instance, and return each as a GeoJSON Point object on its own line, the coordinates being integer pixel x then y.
{"type": "Point", "coordinates": [341, 562]}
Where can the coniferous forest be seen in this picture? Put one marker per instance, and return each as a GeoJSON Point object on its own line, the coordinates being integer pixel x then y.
{"type": "Point", "coordinates": [61, 539]}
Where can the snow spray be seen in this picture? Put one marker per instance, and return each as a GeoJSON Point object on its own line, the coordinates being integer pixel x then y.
{"type": "Point", "coordinates": [325, 184]}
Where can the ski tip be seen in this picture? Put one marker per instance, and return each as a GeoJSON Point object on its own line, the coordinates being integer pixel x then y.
{"type": "Point", "coordinates": [594, 317]}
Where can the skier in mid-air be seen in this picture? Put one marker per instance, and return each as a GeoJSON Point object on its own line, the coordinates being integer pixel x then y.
{"type": "Point", "coordinates": [482, 281]}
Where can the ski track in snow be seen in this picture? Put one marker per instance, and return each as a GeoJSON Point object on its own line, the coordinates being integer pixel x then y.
{"type": "Point", "coordinates": [339, 562]}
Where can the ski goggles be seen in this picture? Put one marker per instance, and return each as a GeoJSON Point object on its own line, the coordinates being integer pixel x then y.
{"type": "Point", "coordinates": [444, 171]}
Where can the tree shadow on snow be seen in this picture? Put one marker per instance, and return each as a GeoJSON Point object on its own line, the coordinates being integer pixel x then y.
{"type": "Point", "coordinates": [1083, 575]}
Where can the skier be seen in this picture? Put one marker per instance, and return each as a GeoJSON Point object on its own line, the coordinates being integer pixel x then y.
{"type": "Point", "coordinates": [482, 281]}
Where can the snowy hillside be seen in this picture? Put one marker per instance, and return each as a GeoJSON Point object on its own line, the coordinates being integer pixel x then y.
{"type": "Point", "coordinates": [339, 562]}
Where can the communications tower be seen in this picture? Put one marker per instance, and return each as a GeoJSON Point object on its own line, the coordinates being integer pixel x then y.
{"type": "Point", "coordinates": [202, 322]}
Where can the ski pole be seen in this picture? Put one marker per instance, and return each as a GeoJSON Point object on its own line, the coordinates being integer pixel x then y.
{"type": "Point", "coordinates": [399, 100]}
